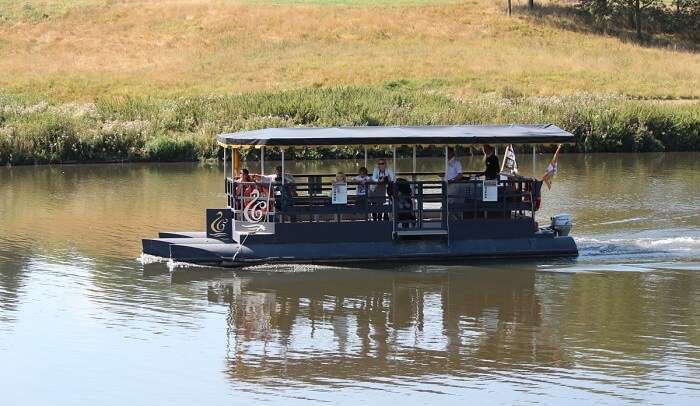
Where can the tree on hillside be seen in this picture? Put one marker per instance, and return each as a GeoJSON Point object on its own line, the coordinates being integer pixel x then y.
{"type": "Point", "coordinates": [686, 18]}
{"type": "Point", "coordinates": [650, 16]}
{"type": "Point", "coordinates": [638, 6]}
{"type": "Point", "coordinates": [509, 6]}
{"type": "Point", "coordinates": [599, 10]}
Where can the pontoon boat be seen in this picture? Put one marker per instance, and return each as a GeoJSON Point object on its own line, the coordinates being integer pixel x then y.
{"type": "Point", "coordinates": [317, 220]}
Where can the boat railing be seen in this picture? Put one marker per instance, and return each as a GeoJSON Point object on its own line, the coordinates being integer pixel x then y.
{"type": "Point", "coordinates": [514, 197]}
{"type": "Point", "coordinates": [419, 207]}
{"type": "Point", "coordinates": [304, 201]}
{"type": "Point", "coordinates": [250, 201]}
{"type": "Point", "coordinates": [409, 204]}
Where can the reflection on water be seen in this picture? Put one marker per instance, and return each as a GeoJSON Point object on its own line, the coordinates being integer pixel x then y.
{"type": "Point", "coordinates": [619, 324]}
{"type": "Point", "coordinates": [382, 323]}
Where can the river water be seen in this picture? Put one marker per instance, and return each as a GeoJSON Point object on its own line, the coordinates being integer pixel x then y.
{"type": "Point", "coordinates": [84, 321]}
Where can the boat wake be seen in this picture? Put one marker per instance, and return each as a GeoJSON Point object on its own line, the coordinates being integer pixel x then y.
{"type": "Point", "coordinates": [640, 248]}
{"type": "Point", "coordinates": [641, 253]}
{"type": "Point", "coordinates": [146, 259]}
{"type": "Point", "coordinates": [623, 221]}
{"type": "Point", "coordinates": [177, 265]}
{"type": "Point", "coordinates": [290, 268]}
{"type": "Point", "coordinates": [171, 266]}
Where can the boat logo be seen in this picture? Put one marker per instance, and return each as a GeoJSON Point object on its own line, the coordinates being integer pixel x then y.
{"type": "Point", "coordinates": [219, 223]}
{"type": "Point", "coordinates": [256, 209]}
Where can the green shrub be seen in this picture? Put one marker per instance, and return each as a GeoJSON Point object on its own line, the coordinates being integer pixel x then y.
{"type": "Point", "coordinates": [166, 148]}
{"type": "Point", "coordinates": [185, 128]}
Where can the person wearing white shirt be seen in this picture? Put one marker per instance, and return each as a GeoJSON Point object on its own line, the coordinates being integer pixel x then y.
{"type": "Point", "coordinates": [285, 192]}
{"type": "Point", "coordinates": [456, 192]}
{"type": "Point", "coordinates": [277, 178]}
{"type": "Point", "coordinates": [382, 178]}
{"type": "Point", "coordinates": [454, 167]}
{"type": "Point", "coordinates": [362, 179]}
{"type": "Point", "coordinates": [383, 174]}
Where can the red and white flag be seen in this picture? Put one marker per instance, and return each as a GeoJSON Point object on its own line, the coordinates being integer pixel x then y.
{"type": "Point", "coordinates": [551, 169]}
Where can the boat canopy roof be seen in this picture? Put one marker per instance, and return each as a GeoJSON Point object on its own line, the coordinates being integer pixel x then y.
{"type": "Point", "coordinates": [384, 135]}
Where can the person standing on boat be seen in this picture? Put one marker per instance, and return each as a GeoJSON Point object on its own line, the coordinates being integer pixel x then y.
{"type": "Point", "coordinates": [455, 189]}
{"type": "Point", "coordinates": [383, 178]}
{"type": "Point", "coordinates": [290, 186]}
{"type": "Point", "coordinates": [493, 168]}
{"type": "Point", "coordinates": [362, 179]}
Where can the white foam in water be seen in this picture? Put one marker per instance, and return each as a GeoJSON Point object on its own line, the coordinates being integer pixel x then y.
{"type": "Point", "coordinates": [625, 244]}
{"type": "Point", "coordinates": [630, 220]}
{"type": "Point", "coordinates": [673, 243]}
{"type": "Point", "coordinates": [289, 268]}
{"type": "Point", "coordinates": [685, 266]}
{"type": "Point", "coordinates": [174, 265]}
{"type": "Point", "coordinates": [597, 268]}
{"type": "Point", "coordinates": [145, 259]}
{"type": "Point", "coordinates": [639, 254]}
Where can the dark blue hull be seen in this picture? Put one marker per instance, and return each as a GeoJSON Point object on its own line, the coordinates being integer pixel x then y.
{"type": "Point", "coordinates": [213, 252]}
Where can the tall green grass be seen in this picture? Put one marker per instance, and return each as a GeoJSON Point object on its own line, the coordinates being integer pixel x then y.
{"type": "Point", "coordinates": [150, 129]}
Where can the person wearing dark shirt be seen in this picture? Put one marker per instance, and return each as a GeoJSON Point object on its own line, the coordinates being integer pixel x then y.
{"type": "Point", "coordinates": [493, 167]}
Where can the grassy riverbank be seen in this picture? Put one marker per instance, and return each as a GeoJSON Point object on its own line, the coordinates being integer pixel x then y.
{"type": "Point", "coordinates": [135, 129]}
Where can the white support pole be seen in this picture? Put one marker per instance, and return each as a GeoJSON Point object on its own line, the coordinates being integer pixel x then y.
{"type": "Point", "coordinates": [262, 160]}
{"type": "Point", "coordinates": [534, 165]}
{"type": "Point", "coordinates": [235, 162]}
{"type": "Point", "coordinates": [446, 193]}
{"type": "Point", "coordinates": [393, 153]}
{"type": "Point", "coordinates": [365, 156]}
{"type": "Point", "coordinates": [414, 159]}
{"type": "Point", "coordinates": [446, 161]}
{"type": "Point", "coordinates": [282, 152]}
{"type": "Point", "coordinates": [414, 177]}
{"type": "Point", "coordinates": [224, 162]}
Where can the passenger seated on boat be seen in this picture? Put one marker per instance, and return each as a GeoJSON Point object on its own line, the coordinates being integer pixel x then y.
{"type": "Point", "coordinates": [404, 203]}
{"type": "Point", "coordinates": [244, 186]}
{"type": "Point", "coordinates": [383, 178]}
{"type": "Point", "coordinates": [493, 168]}
{"type": "Point", "coordinates": [244, 177]}
{"type": "Point", "coordinates": [362, 180]}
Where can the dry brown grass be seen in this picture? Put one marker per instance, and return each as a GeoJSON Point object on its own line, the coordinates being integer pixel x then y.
{"type": "Point", "coordinates": [167, 48]}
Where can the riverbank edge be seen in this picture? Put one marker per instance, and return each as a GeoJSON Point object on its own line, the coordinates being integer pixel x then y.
{"type": "Point", "coordinates": [147, 129]}
{"type": "Point", "coordinates": [253, 162]}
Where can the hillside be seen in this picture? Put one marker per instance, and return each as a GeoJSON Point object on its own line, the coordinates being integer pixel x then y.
{"type": "Point", "coordinates": [78, 50]}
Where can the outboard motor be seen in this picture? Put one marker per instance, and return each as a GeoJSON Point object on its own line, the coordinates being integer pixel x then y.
{"type": "Point", "coordinates": [561, 224]}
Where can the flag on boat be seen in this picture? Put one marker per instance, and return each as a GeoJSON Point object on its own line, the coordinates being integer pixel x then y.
{"type": "Point", "coordinates": [510, 165]}
{"type": "Point", "coordinates": [551, 169]}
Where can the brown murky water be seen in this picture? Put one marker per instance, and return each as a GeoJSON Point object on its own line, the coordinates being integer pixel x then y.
{"type": "Point", "coordinates": [83, 321]}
